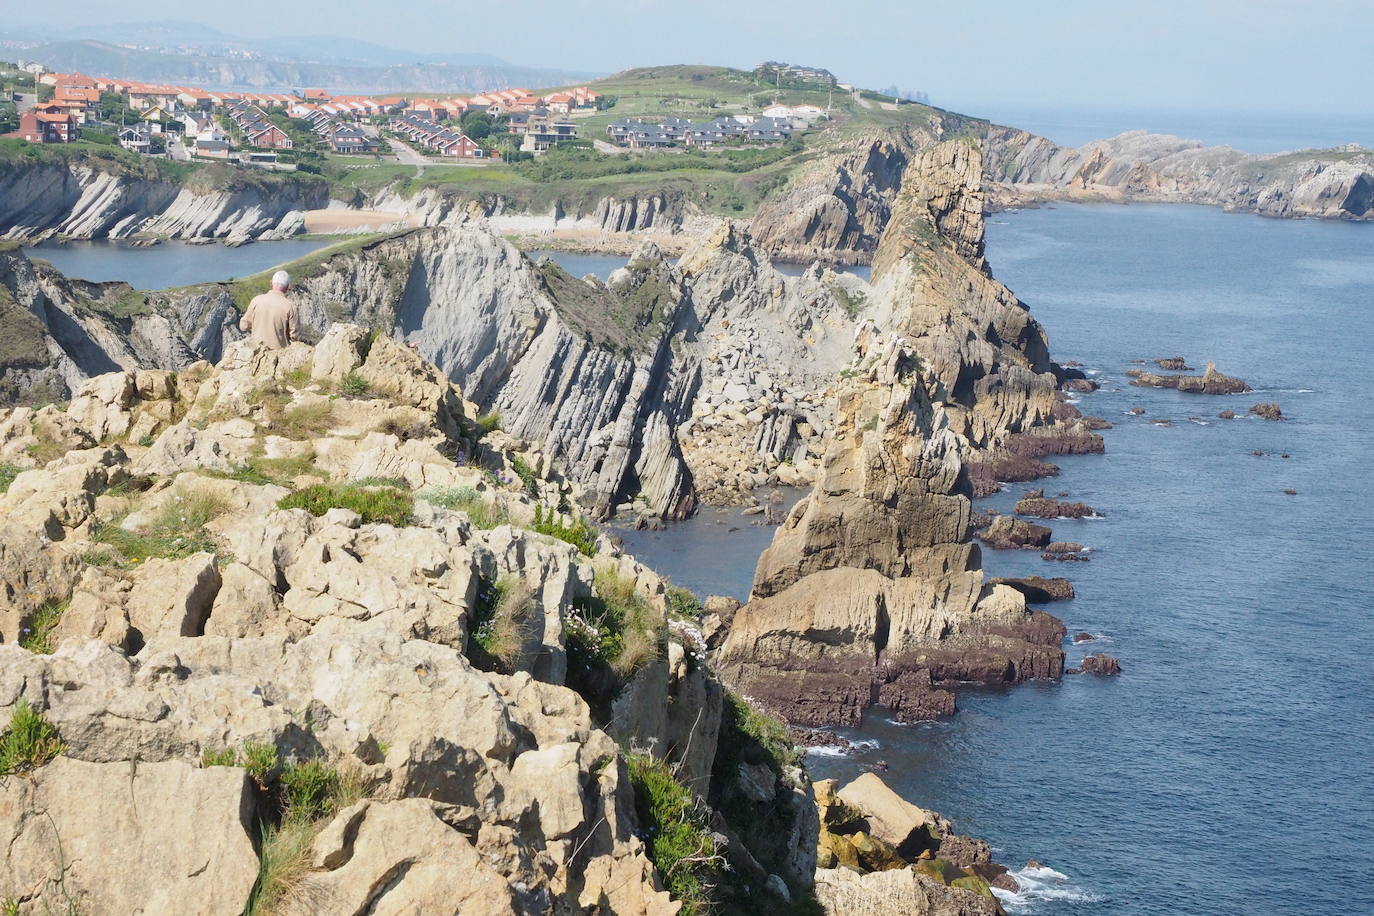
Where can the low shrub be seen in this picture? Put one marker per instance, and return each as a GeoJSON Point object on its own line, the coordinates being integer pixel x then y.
{"type": "Point", "coordinates": [309, 788]}
{"type": "Point", "coordinates": [610, 636]}
{"type": "Point", "coordinates": [579, 534]}
{"type": "Point", "coordinates": [7, 474]}
{"type": "Point", "coordinates": [373, 504]}
{"type": "Point", "coordinates": [683, 604]}
{"type": "Point", "coordinates": [28, 742]}
{"type": "Point", "coordinates": [677, 834]}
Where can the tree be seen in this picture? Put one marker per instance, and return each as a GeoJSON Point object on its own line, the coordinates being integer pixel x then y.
{"type": "Point", "coordinates": [476, 124]}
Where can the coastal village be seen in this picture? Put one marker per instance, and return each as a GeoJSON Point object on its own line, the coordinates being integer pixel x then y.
{"type": "Point", "coordinates": [268, 129]}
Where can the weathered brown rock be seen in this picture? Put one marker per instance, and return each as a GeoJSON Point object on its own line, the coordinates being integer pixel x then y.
{"type": "Point", "coordinates": [1009, 533]}
{"type": "Point", "coordinates": [1097, 663]}
{"type": "Point", "coordinates": [1039, 589]}
{"type": "Point", "coordinates": [1227, 415]}
{"type": "Point", "coordinates": [1044, 507]}
{"type": "Point", "coordinates": [1268, 411]}
{"type": "Point", "coordinates": [1174, 364]}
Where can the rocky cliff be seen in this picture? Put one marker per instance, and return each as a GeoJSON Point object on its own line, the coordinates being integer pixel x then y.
{"type": "Point", "coordinates": [871, 592]}
{"type": "Point", "coordinates": [294, 634]}
{"type": "Point", "coordinates": [1326, 184]}
{"type": "Point", "coordinates": [90, 199]}
{"type": "Point", "coordinates": [60, 332]}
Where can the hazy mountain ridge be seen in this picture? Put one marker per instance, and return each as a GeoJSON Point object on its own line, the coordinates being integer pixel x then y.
{"type": "Point", "coordinates": [222, 62]}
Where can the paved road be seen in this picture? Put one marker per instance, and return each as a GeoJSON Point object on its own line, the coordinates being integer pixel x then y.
{"type": "Point", "coordinates": [863, 102]}
{"type": "Point", "coordinates": [407, 154]}
{"type": "Point", "coordinates": [177, 150]}
{"type": "Point", "coordinates": [26, 101]}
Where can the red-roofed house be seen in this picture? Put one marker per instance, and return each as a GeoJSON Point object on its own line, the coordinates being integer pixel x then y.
{"type": "Point", "coordinates": [48, 124]}
{"type": "Point", "coordinates": [315, 95]}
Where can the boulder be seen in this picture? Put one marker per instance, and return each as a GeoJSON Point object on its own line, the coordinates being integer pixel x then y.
{"type": "Point", "coordinates": [891, 818]}
{"type": "Point", "coordinates": [170, 838]}
{"type": "Point", "coordinates": [1009, 533]}
{"type": "Point", "coordinates": [900, 892]}
{"type": "Point", "coordinates": [401, 857]}
{"type": "Point", "coordinates": [1267, 411]}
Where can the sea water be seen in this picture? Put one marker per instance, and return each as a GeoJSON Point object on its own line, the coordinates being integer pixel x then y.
{"type": "Point", "coordinates": [169, 264]}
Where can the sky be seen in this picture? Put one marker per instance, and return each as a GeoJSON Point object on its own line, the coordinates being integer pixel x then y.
{"type": "Point", "coordinates": [977, 56]}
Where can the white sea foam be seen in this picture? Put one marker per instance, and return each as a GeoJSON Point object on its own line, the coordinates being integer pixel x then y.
{"type": "Point", "coordinates": [1198, 422]}
{"type": "Point", "coordinates": [867, 744]}
{"type": "Point", "coordinates": [1039, 885]}
{"type": "Point", "coordinates": [827, 750]}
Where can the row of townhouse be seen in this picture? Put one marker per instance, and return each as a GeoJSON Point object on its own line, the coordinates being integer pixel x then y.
{"type": "Point", "coordinates": [642, 133]}
{"type": "Point", "coordinates": [257, 129]}
{"type": "Point", "coordinates": [506, 102]}
{"type": "Point", "coordinates": [435, 137]}
{"type": "Point", "coordinates": [328, 124]}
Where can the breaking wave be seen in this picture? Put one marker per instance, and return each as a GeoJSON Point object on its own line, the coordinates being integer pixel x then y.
{"type": "Point", "coordinates": [1042, 884]}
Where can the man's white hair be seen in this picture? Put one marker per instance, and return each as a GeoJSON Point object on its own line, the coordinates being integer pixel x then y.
{"type": "Point", "coordinates": [281, 279]}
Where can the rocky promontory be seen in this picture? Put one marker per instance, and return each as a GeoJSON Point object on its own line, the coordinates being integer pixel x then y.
{"type": "Point", "coordinates": [1023, 168]}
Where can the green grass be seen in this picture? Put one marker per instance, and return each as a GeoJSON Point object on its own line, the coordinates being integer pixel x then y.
{"type": "Point", "coordinates": [373, 504]}
{"type": "Point", "coordinates": [227, 757]}
{"type": "Point", "coordinates": [177, 530]}
{"type": "Point", "coordinates": [483, 514]}
{"type": "Point", "coordinates": [610, 636]}
{"type": "Point", "coordinates": [264, 471]}
{"type": "Point", "coordinates": [37, 636]}
{"type": "Point", "coordinates": [579, 534]}
{"type": "Point", "coordinates": [677, 834]}
{"type": "Point", "coordinates": [7, 474]}
{"type": "Point", "coordinates": [488, 422]}
{"type": "Point", "coordinates": [684, 605]}
{"type": "Point", "coordinates": [355, 386]}
{"type": "Point", "coordinates": [28, 742]}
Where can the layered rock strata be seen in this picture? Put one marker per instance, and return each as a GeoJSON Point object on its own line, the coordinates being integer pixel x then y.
{"type": "Point", "coordinates": [85, 200]}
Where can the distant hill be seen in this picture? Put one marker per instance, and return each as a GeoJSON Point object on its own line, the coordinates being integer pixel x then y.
{"type": "Point", "coordinates": [340, 64]}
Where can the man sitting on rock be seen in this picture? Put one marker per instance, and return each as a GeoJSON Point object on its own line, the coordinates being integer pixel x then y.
{"type": "Point", "coordinates": [271, 317]}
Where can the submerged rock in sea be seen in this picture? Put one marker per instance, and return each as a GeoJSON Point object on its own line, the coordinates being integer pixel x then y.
{"type": "Point", "coordinates": [1210, 382]}
{"type": "Point", "coordinates": [1045, 507]}
{"type": "Point", "coordinates": [1268, 411]}
{"type": "Point", "coordinates": [1174, 364]}
{"type": "Point", "coordinates": [1097, 663]}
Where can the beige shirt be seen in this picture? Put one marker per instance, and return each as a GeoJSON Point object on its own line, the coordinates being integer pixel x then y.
{"type": "Point", "coordinates": [271, 319]}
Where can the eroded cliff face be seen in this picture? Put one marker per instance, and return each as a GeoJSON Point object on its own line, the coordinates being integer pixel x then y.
{"type": "Point", "coordinates": [60, 332]}
{"type": "Point", "coordinates": [82, 201]}
{"type": "Point", "coordinates": [1327, 184]}
{"type": "Point", "coordinates": [871, 592]}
